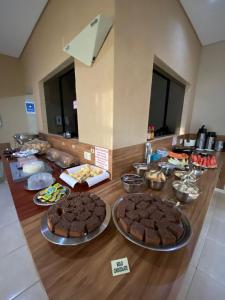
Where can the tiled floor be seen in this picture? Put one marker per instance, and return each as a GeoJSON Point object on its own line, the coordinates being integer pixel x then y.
{"type": "Point", "coordinates": [18, 276]}
{"type": "Point", "coordinates": [205, 277]}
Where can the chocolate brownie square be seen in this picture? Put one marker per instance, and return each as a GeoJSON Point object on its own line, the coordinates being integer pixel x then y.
{"type": "Point", "coordinates": [77, 229]}
{"type": "Point", "coordinates": [148, 223]}
{"type": "Point", "coordinates": [157, 215]}
{"type": "Point", "coordinates": [69, 216]}
{"type": "Point", "coordinates": [176, 229]}
{"type": "Point", "coordinates": [92, 223]}
{"type": "Point", "coordinates": [99, 202]}
{"type": "Point", "coordinates": [142, 205]}
{"type": "Point", "coordinates": [62, 228]}
{"type": "Point", "coordinates": [152, 237]}
{"type": "Point", "coordinates": [129, 205]}
{"type": "Point", "coordinates": [91, 206]}
{"type": "Point", "coordinates": [125, 224]}
{"type": "Point", "coordinates": [167, 238]}
{"type": "Point", "coordinates": [144, 214]}
{"type": "Point", "coordinates": [100, 212]}
{"type": "Point", "coordinates": [121, 210]}
{"type": "Point", "coordinates": [133, 215]}
{"type": "Point", "coordinates": [137, 230]}
{"type": "Point", "coordinates": [52, 221]}
{"type": "Point", "coordinates": [83, 216]}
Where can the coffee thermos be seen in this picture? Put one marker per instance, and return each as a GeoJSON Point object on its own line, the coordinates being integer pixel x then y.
{"type": "Point", "coordinates": [210, 141]}
{"type": "Point", "coordinates": [201, 138]}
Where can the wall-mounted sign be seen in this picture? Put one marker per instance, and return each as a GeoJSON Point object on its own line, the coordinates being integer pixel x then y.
{"type": "Point", "coordinates": [102, 158]}
{"type": "Point", "coordinates": [30, 107]}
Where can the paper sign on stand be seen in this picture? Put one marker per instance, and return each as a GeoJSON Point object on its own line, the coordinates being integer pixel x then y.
{"type": "Point", "coordinates": [102, 158]}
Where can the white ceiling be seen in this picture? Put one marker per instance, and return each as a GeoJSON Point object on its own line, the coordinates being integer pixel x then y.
{"type": "Point", "coordinates": [17, 20]}
{"type": "Point", "coordinates": [208, 19]}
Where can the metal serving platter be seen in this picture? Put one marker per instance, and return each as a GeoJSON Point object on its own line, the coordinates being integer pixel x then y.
{"type": "Point", "coordinates": [180, 244]}
{"type": "Point", "coordinates": [40, 203]}
{"type": "Point", "coordinates": [63, 241]}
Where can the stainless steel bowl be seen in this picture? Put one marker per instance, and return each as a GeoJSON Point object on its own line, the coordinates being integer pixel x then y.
{"type": "Point", "coordinates": [156, 185]}
{"type": "Point", "coordinates": [185, 197]}
{"type": "Point", "coordinates": [140, 168]}
{"type": "Point", "coordinates": [133, 183]}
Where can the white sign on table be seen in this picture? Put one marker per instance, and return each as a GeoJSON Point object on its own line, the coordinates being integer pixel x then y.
{"type": "Point", "coordinates": [120, 266]}
{"type": "Point", "coordinates": [102, 158]}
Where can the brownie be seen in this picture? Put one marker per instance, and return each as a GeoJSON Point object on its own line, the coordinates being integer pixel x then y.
{"type": "Point", "coordinates": [129, 205]}
{"type": "Point", "coordinates": [133, 215]}
{"type": "Point", "coordinates": [52, 221]}
{"type": "Point", "coordinates": [152, 237]}
{"type": "Point", "coordinates": [137, 230]}
{"type": "Point", "coordinates": [144, 214]}
{"type": "Point", "coordinates": [62, 228]}
{"type": "Point", "coordinates": [83, 216]}
{"type": "Point", "coordinates": [77, 229]}
{"type": "Point", "coordinates": [100, 212]}
{"type": "Point", "coordinates": [157, 215]}
{"type": "Point", "coordinates": [91, 206]}
{"type": "Point", "coordinates": [148, 223]}
{"type": "Point", "coordinates": [142, 205]}
{"type": "Point", "coordinates": [125, 224]}
{"type": "Point", "coordinates": [92, 223]}
{"type": "Point", "coordinates": [121, 210]}
{"type": "Point", "coordinates": [69, 216]}
{"type": "Point", "coordinates": [99, 202]}
{"type": "Point", "coordinates": [176, 229]}
{"type": "Point", "coordinates": [167, 238]}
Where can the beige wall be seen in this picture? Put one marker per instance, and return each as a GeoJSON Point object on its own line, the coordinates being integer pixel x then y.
{"type": "Point", "coordinates": [11, 80]}
{"type": "Point", "coordinates": [209, 105]}
{"type": "Point", "coordinates": [145, 29]}
{"type": "Point", "coordinates": [14, 119]}
{"type": "Point", "coordinates": [61, 22]}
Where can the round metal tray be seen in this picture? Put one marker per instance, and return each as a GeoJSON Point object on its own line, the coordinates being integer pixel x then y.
{"type": "Point", "coordinates": [180, 244]}
{"type": "Point", "coordinates": [38, 202]}
{"type": "Point", "coordinates": [63, 241]}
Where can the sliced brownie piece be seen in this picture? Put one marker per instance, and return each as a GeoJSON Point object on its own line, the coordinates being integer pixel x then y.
{"type": "Point", "coordinates": [125, 224]}
{"type": "Point", "coordinates": [144, 214]}
{"type": "Point", "coordinates": [129, 205]}
{"type": "Point", "coordinates": [69, 216]}
{"type": "Point", "coordinates": [157, 215]}
{"type": "Point", "coordinates": [92, 223]}
{"type": "Point", "coordinates": [121, 210]}
{"type": "Point", "coordinates": [133, 215]}
{"type": "Point", "coordinates": [176, 229]}
{"type": "Point", "coordinates": [167, 238]}
{"type": "Point", "coordinates": [52, 221]}
{"type": "Point", "coordinates": [62, 228]}
{"type": "Point", "coordinates": [152, 237]}
{"type": "Point", "coordinates": [100, 212]}
{"type": "Point", "coordinates": [91, 206]}
{"type": "Point", "coordinates": [137, 230]}
{"type": "Point", "coordinates": [77, 229]}
{"type": "Point", "coordinates": [151, 209]}
{"type": "Point", "coordinates": [99, 202]}
{"type": "Point", "coordinates": [142, 205]}
{"type": "Point", "coordinates": [83, 216]}
{"type": "Point", "coordinates": [148, 223]}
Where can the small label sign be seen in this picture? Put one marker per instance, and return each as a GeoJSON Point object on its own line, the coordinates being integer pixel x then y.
{"type": "Point", "coordinates": [120, 266]}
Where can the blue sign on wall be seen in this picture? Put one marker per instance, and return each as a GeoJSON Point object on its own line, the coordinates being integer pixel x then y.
{"type": "Point", "coordinates": [30, 107]}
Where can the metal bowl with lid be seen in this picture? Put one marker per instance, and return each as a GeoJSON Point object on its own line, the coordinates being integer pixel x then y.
{"type": "Point", "coordinates": [185, 191]}
{"type": "Point", "coordinates": [133, 183]}
{"type": "Point", "coordinates": [141, 168]}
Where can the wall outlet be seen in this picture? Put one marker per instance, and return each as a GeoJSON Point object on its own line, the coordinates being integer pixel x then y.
{"type": "Point", "coordinates": [87, 155]}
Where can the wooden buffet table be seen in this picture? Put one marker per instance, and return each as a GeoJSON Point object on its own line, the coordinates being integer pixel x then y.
{"type": "Point", "coordinates": [84, 272]}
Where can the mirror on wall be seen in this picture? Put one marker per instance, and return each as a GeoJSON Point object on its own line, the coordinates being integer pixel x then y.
{"type": "Point", "coordinates": [60, 96]}
{"type": "Point", "coordinates": [166, 104]}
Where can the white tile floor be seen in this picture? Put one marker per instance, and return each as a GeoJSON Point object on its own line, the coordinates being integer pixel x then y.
{"type": "Point", "coordinates": [18, 276]}
{"type": "Point", "coordinates": [204, 279]}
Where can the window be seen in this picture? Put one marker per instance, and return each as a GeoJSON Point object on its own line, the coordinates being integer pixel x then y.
{"type": "Point", "coordinates": [167, 97]}
{"type": "Point", "coordinates": [60, 94]}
